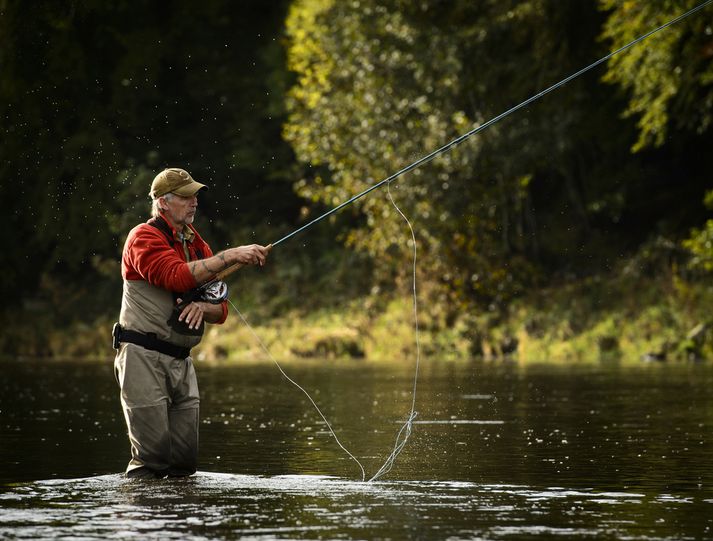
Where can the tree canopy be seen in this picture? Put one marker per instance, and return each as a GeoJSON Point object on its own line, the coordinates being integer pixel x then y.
{"type": "Point", "coordinates": [669, 82]}
{"type": "Point", "coordinates": [380, 83]}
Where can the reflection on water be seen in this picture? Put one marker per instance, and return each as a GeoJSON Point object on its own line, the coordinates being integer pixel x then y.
{"type": "Point", "coordinates": [498, 452]}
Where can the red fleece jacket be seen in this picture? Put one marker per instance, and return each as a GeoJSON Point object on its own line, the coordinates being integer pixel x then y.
{"type": "Point", "coordinates": [148, 256]}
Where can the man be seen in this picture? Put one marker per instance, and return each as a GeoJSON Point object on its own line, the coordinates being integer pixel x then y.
{"type": "Point", "coordinates": [162, 259]}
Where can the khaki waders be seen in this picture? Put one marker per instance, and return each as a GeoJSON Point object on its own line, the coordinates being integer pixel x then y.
{"type": "Point", "coordinates": [159, 396]}
{"type": "Point", "coordinates": [159, 392]}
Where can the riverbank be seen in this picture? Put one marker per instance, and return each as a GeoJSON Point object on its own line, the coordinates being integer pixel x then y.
{"type": "Point", "coordinates": [623, 318]}
{"type": "Point", "coordinates": [626, 316]}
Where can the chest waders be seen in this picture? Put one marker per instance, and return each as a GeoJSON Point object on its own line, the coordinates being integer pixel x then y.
{"type": "Point", "coordinates": [159, 389]}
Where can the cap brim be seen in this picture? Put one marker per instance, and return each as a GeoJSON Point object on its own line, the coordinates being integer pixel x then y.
{"type": "Point", "coordinates": [191, 189]}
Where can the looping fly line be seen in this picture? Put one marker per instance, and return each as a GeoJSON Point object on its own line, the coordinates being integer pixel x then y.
{"type": "Point", "coordinates": [403, 434]}
{"type": "Point", "coordinates": [405, 431]}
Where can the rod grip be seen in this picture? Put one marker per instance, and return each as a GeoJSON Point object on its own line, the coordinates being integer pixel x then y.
{"type": "Point", "coordinates": [225, 272]}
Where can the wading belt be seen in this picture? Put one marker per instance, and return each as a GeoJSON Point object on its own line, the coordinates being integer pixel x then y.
{"type": "Point", "coordinates": [148, 341]}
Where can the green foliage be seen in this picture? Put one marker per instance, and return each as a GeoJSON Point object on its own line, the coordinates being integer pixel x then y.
{"type": "Point", "coordinates": [700, 243]}
{"type": "Point", "coordinates": [626, 316]}
{"type": "Point", "coordinates": [668, 78]}
{"type": "Point", "coordinates": [96, 97]}
{"type": "Point", "coordinates": [380, 83]}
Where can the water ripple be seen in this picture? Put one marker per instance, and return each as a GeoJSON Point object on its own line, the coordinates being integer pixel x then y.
{"type": "Point", "coordinates": [228, 506]}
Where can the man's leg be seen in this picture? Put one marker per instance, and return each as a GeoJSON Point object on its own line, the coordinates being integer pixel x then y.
{"type": "Point", "coordinates": [183, 418]}
{"type": "Point", "coordinates": [144, 399]}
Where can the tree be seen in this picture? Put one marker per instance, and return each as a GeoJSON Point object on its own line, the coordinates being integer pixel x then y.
{"type": "Point", "coordinates": [669, 78]}
{"type": "Point", "coordinates": [380, 83]}
{"type": "Point", "coordinates": [669, 86]}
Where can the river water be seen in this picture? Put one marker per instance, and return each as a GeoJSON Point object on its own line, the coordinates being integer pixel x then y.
{"type": "Point", "coordinates": [498, 451]}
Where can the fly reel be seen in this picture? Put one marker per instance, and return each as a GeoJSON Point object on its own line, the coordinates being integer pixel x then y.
{"type": "Point", "coordinates": [214, 292]}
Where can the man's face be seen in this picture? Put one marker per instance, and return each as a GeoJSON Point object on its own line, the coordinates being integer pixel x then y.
{"type": "Point", "coordinates": [181, 210]}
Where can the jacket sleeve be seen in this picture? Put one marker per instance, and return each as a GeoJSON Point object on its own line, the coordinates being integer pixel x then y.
{"type": "Point", "coordinates": [224, 306]}
{"type": "Point", "coordinates": [149, 255]}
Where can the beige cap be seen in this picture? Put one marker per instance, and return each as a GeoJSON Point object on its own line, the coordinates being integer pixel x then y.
{"type": "Point", "coordinates": [174, 180]}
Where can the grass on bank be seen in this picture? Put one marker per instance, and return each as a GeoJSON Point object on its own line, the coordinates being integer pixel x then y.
{"type": "Point", "coordinates": [355, 332]}
{"type": "Point", "coordinates": [627, 316]}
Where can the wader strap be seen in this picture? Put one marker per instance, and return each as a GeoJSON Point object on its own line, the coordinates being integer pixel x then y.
{"type": "Point", "coordinates": [161, 224]}
{"type": "Point", "coordinates": [148, 341]}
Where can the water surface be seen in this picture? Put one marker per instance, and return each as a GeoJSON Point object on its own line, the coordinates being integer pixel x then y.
{"type": "Point", "coordinates": [498, 451]}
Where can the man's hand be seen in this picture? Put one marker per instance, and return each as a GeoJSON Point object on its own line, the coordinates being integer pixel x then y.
{"type": "Point", "coordinates": [251, 254]}
{"type": "Point", "coordinates": [193, 313]}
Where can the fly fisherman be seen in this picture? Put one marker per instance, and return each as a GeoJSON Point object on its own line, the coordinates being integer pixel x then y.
{"type": "Point", "coordinates": [162, 259]}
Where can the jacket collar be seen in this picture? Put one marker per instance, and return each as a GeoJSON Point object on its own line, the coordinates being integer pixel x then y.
{"type": "Point", "coordinates": [188, 233]}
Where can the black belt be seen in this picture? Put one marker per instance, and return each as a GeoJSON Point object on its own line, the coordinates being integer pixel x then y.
{"type": "Point", "coordinates": [148, 341]}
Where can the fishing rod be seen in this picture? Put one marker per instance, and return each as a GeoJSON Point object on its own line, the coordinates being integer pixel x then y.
{"type": "Point", "coordinates": [216, 289]}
